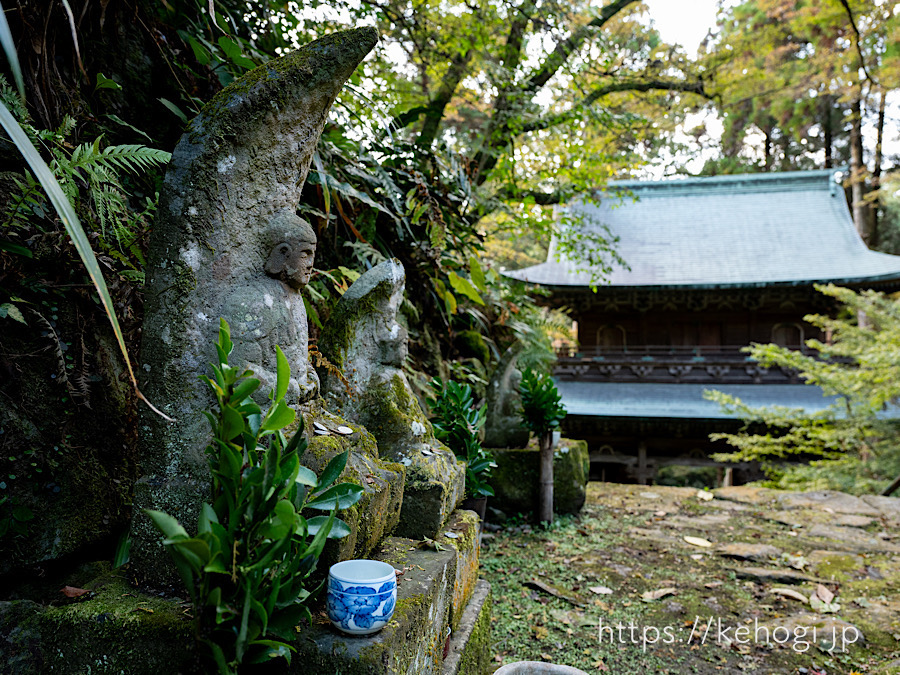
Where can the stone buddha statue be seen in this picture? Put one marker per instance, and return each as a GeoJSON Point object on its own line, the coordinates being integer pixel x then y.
{"type": "Point", "coordinates": [268, 309]}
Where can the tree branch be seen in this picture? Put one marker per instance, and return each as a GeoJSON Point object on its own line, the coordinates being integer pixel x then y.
{"type": "Point", "coordinates": [434, 111]}
{"type": "Point", "coordinates": [862, 59]}
{"type": "Point", "coordinates": [498, 130]}
{"type": "Point", "coordinates": [540, 198]}
{"type": "Point", "coordinates": [565, 47]}
{"type": "Point", "coordinates": [694, 87]}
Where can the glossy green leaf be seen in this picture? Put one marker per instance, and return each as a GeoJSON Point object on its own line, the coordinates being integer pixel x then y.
{"type": "Point", "coordinates": [464, 286]}
{"type": "Point", "coordinates": [339, 496]}
{"type": "Point", "coordinates": [233, 50]}
{"type": "Point", "coordinates": [243, 390]}
{"type": "Point", "coordinates": [339, 528]}
{"type": "Point", "coordinates": [174, 109]}
{"type": "Point", "coordinates": [279, 417]}
{"type": "Point", "coordinates": [477, 274]}
{"type": "Point", "coordinates": [334, 469]}
{"type": "Point", "coordinates": [233, 423]}
{"type": "Point", "coordinates": [306, 476]}
{"type": "Point", "coordinates": [16, 248]}
{"type": "Point", "coordinates": [283, 378]}
{"type": "Point", "coordinates": [166, 524]}
{"type": "Point", "coordinates": [104, 82]}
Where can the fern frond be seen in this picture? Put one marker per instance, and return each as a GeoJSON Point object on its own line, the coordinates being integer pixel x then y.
{"type": "Point", "coordinates": [88, 156]}
{"type": "Point", "coordinates": [135, 157]}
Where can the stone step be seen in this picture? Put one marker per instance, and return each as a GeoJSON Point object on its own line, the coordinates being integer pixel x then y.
{"type": "Point", "coordinates": [116, 628]}
{"type": "Point", "coordinates": [462, 532]}
{"type": "Point", "coordinates": [470, 643]}
{"type": "Point", "coordinates": [434, 593]}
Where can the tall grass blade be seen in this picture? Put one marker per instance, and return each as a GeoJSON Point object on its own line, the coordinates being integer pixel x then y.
{"type": "Point", "coordinates": [75, 230]}
{"type": "Point", "coordinates": [9, 47]}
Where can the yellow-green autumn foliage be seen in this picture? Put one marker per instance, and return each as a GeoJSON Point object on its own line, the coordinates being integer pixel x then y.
{"type": "Point", "coordinates": [853, 442]}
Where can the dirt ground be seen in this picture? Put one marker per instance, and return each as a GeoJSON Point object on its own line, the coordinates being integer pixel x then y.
{"type": "Point", "coordinates": [651, 579]}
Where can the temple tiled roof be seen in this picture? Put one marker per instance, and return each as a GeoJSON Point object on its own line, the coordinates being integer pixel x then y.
{"type": "Point", "coordinates": [744, 230]}
{"type": "Point", "coordinates": [650, 400]}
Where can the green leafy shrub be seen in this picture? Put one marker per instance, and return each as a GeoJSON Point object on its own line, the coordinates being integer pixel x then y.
{"type": "Point", "coordinates": [542, 410]}
{"type": "Point", "coordinates": [248, 568]}
{"type": "Point", "coordinates": [457, 423]}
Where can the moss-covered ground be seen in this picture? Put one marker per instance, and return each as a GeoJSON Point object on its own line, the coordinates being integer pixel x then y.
{"type": "Point", "coordinates": [630, 541]}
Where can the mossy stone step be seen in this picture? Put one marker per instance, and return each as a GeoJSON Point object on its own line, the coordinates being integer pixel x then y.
{"type": "Point", "coordinates": [462, 533]}
{"type": "Point", "coordinates": [116, 628]}
{"type": "Point", "coordinates": [412, 643]}
{"type": "Point", "coordinates": [113, 629]}
{"type": "Point", "coordinates": [470, 643]}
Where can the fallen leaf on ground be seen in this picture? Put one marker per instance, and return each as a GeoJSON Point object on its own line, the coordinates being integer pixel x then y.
{"type": "Point", "coordinates": [72, 592]}
{"type": "Point", "coordinates": [824, 594]}
{"type": "Point", "coordinates": [790, 593]}
{"type": "Point", "coordinates": [541, 586]}
{"type": "Point", "coordinates": [698, 541]}
{"type": "Point", "coordinates": [600, 590]}
{"type": "Point", "coordinates": [713, 584]}
{"type": "Point", "coordinates": [650, 596]}
{"type": "Point", "coordinates": [797, 561]}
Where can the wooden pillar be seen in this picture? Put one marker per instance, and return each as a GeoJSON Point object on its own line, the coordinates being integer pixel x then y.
{"type": "Point", "coordinates": [642, 472]}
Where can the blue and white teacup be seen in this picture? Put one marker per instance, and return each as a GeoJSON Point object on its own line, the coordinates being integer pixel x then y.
{"type": "Point", "coordinates": [362, 595]}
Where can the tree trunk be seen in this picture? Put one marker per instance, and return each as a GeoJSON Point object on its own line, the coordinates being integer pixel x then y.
{"type": "Point", "coordinates": [858, 174]}
{"type": "Point", "coordinates": [828, 130]}
{"type": "Point", "coordinates": [876, 170]}
{"type": "Point", "coordinates": [545, 504]}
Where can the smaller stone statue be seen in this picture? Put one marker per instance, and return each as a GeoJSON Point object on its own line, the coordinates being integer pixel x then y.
{"type": "Point", "coordinates": [268, 310]}
{"type": "Point", "coordinates": [364, 340]}
{"type": "Point", "coordinates": [503, 428]}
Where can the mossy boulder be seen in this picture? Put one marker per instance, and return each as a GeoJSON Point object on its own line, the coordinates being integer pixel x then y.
{"type": "Point", "coordinates": [377, 513]}
{"type": "Point", "coordinates": [67, 431]}
{"type": "Point", "coordinates": [516, 478]}
{"type": "Point", "coordinates": [111, 629]}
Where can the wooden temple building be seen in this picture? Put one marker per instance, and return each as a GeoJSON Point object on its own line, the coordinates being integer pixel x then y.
{"type": "Point", "coordinates": [714, 264]}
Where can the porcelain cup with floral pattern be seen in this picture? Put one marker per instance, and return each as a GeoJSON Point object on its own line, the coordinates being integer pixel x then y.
{"type": "Point", "coordinates": [362, 595]}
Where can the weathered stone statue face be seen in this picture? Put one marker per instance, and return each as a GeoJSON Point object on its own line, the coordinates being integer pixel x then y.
{"type": "Point", "coordinates": [393, 345]}
{"type": "Point", "coordinates": [292, 251]}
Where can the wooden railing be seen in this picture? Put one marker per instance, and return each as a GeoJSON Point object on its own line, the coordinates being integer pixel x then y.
{"type": "Point", "coordinates": [659, 363]}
